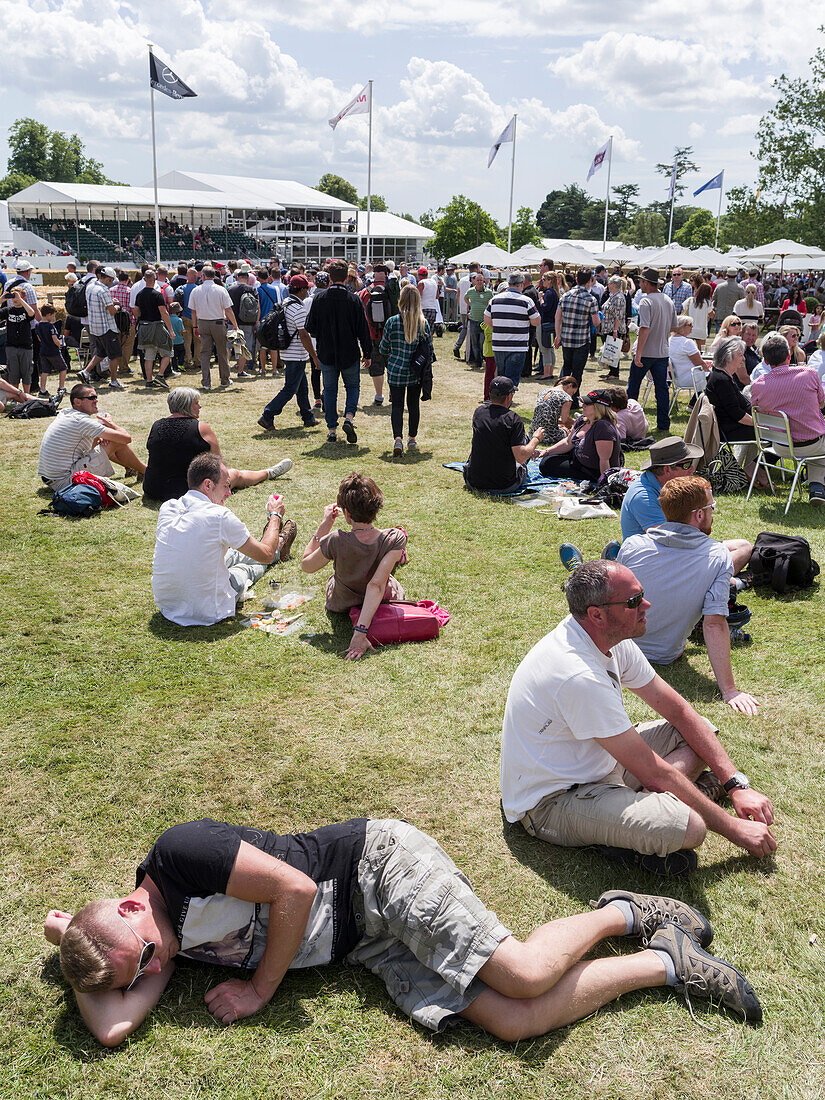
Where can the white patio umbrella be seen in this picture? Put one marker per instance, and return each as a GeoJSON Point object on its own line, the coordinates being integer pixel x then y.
{"type": "Point", "coordinates": [529, 255]}
{"type": "Point", "coordinates": [486, 253]}
{"type": "Point", "coordinates": [571, 253]}
{"type": "Point", "coordinates": [780, 250]}
{"type": "Point", "coordinates": [800, 263]}
{"type": "Point", "coordinates": [621, 254]}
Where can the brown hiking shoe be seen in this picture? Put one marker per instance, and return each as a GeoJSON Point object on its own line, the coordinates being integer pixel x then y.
{"type": "Point", "coordinates": [711, 787]}
{"type": "Point", "coordinates": [703, 975]}
{"type": "Point", "coordinates": [288, 533]}
{"type": "Point", "coordinates": [651, 911]}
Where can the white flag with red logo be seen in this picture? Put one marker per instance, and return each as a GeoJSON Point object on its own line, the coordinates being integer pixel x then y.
{"type": "Point", "coordinates": [598, 160]}
{"type": "Point", "coordinates": [358, 105]}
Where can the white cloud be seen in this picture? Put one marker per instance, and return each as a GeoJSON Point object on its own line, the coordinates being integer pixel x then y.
{"type": "Point", "coordinates": [696, 130]}
{"type": "Point", "coordinates": [662, 72]}
{"type": "Point", "coordinates": [739, 124]}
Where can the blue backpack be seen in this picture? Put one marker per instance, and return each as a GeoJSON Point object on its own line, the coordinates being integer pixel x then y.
{"type": "Point", "coordinates": [77, 500]}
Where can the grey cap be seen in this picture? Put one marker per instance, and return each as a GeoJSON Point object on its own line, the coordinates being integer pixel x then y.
{"type": "Point", "coordinates": [108, 272]}
{"type": "Point", "coordinates": [23, 265]}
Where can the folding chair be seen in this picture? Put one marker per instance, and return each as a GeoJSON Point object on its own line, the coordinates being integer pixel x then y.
{"type": "Point", "coordinates": [771, 428]}
{"type": "Point", "coordinates": [643, 396]}
{"type": "Point", "coordinates": [691, 388]}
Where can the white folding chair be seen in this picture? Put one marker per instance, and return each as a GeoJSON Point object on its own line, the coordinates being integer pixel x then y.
{"type": "Point", "coordinates": [690, 388]}
{"type": "Point", "coordinates": [771, 428]}
{"type": "Point", "coordinates": [643, 396]}
{"type": "Point", "coordinates": [697, 375]}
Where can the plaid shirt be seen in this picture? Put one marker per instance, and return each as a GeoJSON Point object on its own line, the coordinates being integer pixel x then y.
{"type": "Point", "coordinates": [577, 306]}
{"type": "Point", "coordinates": [678, 294]}
{"type": "Point", "coordinates": [100, 319]}
{"type": "Point", "coordinates": [398, 352]}
{"type": "Point", "coordinates": [760, 290]}
{"type": "Point", "coordinates": [120, 295]}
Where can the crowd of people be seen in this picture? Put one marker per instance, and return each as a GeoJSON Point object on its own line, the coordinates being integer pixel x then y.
{"type": "Point", "coordinates": [575, 770]}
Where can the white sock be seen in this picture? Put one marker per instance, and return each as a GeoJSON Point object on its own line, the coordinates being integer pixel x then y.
{"type": "Point", "coordinates": [625, 909]}
{"type": "Point", "coordinates": [669, 967]}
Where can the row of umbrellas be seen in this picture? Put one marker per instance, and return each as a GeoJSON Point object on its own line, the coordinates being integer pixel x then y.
{"type": "Point", "coordinates": [786, 256]}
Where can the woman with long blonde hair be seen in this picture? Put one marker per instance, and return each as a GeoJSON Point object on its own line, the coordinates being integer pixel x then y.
{"type": "Point", "coordinates": [399, 342]}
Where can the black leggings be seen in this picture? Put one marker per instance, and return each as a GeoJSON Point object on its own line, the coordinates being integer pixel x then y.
{"type": "Point", "coordinates": [566, 466]}
{"type": "Point", "coordinates": [413, 392]}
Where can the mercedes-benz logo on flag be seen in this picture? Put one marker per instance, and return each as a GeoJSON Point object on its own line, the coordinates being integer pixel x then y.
{"type": "Point", "coordinates": [166, 80]}
{"type": "Point", "coordinates": [169, 77]}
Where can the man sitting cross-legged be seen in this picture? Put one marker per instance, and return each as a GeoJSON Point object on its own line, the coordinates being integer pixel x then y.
{"type": "Point", "coordinates": [375, 892]}
{"type": "Point", "coordinates": [679, 556]}
{"type": "Point", "coordinates": [205, 559]}
{"type": "Point", "coordinates": [575, 770]}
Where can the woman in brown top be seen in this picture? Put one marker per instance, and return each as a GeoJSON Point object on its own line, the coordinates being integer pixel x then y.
{"type": "Point", "coordinates": [363, 558]}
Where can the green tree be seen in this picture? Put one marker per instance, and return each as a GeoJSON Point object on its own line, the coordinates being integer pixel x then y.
{"type": "Point", "coordinates": [460, 225]}
{"type": "Point", "coordinates": [525, 230]}
{"type": "Point", "coordinates": [428, 219]}
{"type": "Point", "coordinates": [562, 211]}
{"type": "Point", "coordinates": [647, 229]}
{"type": "Point", "coordinates": [14, 182]}
{"type": "Point", "coordinates": [752, 219]}
{"type": "Point", "coordinates": [683, 156]}
{"type": "Point", "coordinates": [698, 231]}
{"type": "Point", "coordinates": [338, 187]}
{"type": "Point", "coordinates": [592, 222]}
{"type": "Point", "coordinates": [29, 148]}
{"type": "Point", "coordinates": [623, 206]}
{"type": "Point", "coordinates": [38, 153]}
{"type": "Point", "coordinates": [378, 203]}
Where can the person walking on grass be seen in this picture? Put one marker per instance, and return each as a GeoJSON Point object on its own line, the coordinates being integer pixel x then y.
{"type": "Point", "coordinates": [399, 343]}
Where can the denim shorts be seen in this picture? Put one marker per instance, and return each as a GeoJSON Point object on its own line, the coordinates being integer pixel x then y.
{"type": "Point", "coordinates": [426, 934]}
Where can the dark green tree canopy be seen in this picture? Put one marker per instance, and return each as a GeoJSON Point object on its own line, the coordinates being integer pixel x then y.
{"type": "Point", "coordinates": [525, 230]}
{"type": "Point", "coordinates": [338, 187]}
{"type": "Point", "coordinates": [38, 153]}
{"type": "Point", "coordinates": [460, 225]}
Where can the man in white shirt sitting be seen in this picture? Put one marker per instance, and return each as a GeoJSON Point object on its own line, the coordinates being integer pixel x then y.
{"type": "Point", "coordinates": [576, 771]}
{"type": "Point", "coordinates": [205, 559]}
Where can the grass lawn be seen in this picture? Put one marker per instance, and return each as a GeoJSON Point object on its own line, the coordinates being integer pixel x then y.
{"type": "Point", "coordinates": [118, 724]}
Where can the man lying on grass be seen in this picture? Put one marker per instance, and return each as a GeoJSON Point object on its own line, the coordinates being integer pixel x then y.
{"type": "Point", "coordinates": [379, 893]}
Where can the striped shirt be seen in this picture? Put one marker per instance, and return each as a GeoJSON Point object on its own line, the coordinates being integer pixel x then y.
{"type": "Point", "coordinates": [296, 317]}
{"type": "Point", "coordinates": [797, 392]}
{"type": "Point", "coordinates": [69, 437]}
{"type": "Point", "coordinates": [100, 319]}
{"type": "Point", "coordinates": [577, 307]}
{"type": "Point", "coordinates": [510, 313]}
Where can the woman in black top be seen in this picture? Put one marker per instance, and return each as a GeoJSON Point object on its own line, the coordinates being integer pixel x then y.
{"type": "Point", "coordinates": [176, 439]}
{"type": "Point", "coordinates": [593, 445]}
{"type": "Point", "coordinates": [733, 410]}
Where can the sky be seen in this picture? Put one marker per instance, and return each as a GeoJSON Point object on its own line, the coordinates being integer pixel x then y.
{"type": "Point", "coordinates": [448, 75]}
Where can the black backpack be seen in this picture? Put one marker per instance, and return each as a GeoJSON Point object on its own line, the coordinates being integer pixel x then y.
{"type": "Point", "coordinates": [76, 304]}
{"type": "Point", "coordinates": [782, 561]}
{"type": "Point", "coordinates": [123, 321]}
{"type": "Point", "coordinates": [33, 409]}
{"type": "Point", "coordinates": [274, 332]}
{"type": "Point", "coordinates": [379, 306]}
{"type": "Point", "coordinates": [248, 307]}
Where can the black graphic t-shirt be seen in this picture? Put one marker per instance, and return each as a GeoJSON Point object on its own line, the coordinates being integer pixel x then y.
{"type": "Point", "coordinates": [191, 864]}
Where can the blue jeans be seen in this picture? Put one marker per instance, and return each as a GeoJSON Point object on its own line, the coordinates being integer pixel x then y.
{"type": "Point", "coordinates": [352, 385]}
{"type": "Point", "coordinates": [510, 363]}
{"type": "Point", "coordinates": [658, 372]}
{"type": "Point", "coordinates": [475, 343]}
{"type": "Point", "coordinates": [295, 385]}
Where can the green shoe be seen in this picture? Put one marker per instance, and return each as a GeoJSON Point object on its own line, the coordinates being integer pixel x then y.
{"type": "Point", "coordinates": [651, 911]}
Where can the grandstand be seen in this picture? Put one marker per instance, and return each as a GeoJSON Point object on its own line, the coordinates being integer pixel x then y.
{"type": "Point", "coordinates": [212, 216]}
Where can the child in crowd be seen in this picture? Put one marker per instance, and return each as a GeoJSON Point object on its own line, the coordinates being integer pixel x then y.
{"type": "Point", "coordinates": [175, 310]}
{"type": "Point", "coordinates": [51, 353]}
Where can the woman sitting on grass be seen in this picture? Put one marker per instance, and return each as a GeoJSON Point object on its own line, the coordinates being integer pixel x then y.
{"type": "Point", "coordinates": [553, 409]}
{"type": "Point", "coordinates": [363, 558]}
{"type": "Point", "coordinates": [593, 445]}
{"type": "Point", "coordinates": [176, 439]}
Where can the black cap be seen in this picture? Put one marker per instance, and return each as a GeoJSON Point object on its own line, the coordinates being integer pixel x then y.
{"type": "Point", "coordinates": [501, 385]}
{"type": "Point", "coordinates": [598, 397]}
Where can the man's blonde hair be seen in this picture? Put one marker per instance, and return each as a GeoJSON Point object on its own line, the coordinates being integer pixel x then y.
{"type": "Point", "coordinates": [87, 945]}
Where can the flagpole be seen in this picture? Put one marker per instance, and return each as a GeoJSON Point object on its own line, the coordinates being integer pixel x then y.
{"type": "Point", "coordinates": [512, 181]}
{"type": "Point", "coordinates": [369, 179]}
{"type": "Point", "coordinates": [672, 200]}
{"type": "Point", "coordinates": [607, 194]}
{"type": "Point", "coordinates": [154, 168]}
{"type": "Point", "coordinates": [719, 211]}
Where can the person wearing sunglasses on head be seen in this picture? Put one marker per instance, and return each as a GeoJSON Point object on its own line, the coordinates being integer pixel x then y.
{"type": "Point", "coordinates": [682, 548]}
{"type": "Point", "coordinates": [575, 771]}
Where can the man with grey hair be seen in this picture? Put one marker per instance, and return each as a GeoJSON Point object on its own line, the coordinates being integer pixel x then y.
{"type": "Point", "coordinates": [750, 332]}
{"type": "Point", "coordinates": [796, 391]}
{"type": "Point", "coordinates": [727, 293]}
{"type": "Point", "coordinates": [211, 308]}
{"type": "Point", "coordinates": [511, 314]}
{"type": "Point", "coordinates": [576, 771]}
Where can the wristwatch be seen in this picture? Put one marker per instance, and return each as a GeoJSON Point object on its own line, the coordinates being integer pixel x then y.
{"type": "Point", "coordinates": [738, 781]}
{"type": "Point", "coordinates": [361, 629]}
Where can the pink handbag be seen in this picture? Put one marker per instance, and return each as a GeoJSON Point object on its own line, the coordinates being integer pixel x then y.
{"type": "Point", "coordinates": [404, 622]}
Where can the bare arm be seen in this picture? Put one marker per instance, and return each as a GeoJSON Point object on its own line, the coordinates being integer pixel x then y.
{"type": "Point", "coordinates": [114, 1014]}
{"type": "Point", "coordinates": [657, 775]}
{"type": "Point", "coordinates": [208, 436]}
{"type": "Point", "coordinates": [717, 640]}
{"type": "Point", "coordinates": [307, 342]}
{"type": "Point", "coordinates": [264, 551]}
{"type": "Point", "coordinates": [604, 449]}
{"type": "Point", "coordinates": [523, 452]}
{"type": "Point", "coordinates": [359, 643]}
{"type": "Point", "coordinates": [313, 557]}
{"type": "Point", "coordinates": [259, 877]}
{"type": "Point", "coordinates": [164, 316]}
{"type": "Point", "coordinates": [229, 314]}
{"type": "Point", "coordinates": [640, 344]}
{"type": "Point", "coordinates": [557, 326]}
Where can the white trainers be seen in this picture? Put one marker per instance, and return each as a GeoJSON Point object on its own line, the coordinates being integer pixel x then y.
{"type": "Point", "coordinates": [280, 469]}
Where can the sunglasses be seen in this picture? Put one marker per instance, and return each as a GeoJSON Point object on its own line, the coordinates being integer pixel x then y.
{"type": "Point", "coordinates": [147, 953]}
{"type": "Point", "coordinates": [631, 604]}
{"type": "Point", "coordinates": [687, 465]}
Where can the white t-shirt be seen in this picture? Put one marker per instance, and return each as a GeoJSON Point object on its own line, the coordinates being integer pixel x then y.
{"type": "Point", "coordinates": [69, 437]}
{"type": "Point", "coordinates": [429, 291]}
{"type": "Point", "coordinates": [190, 580]}
{"type": "Point", "coordinates": [700, 317]}
{"type": "Point", "coordinates": [681, 348]}
{"type": "Point", "coordinates": [464, 284]}
{"type": "Point", "coordinates": [565, 693]}
{"type": "Point", "coordinates": [753, 313]}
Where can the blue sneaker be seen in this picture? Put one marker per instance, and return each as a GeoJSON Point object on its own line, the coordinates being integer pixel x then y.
{"type": "Point", "coordinates": [571, 557]}
{"type": "Point", "coordinates": [611, 551]}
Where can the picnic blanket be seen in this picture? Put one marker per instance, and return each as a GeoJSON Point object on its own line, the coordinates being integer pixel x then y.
{"type": "Point", "coordinates": [535, 481]}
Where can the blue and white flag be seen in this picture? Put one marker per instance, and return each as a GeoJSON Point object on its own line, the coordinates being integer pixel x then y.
{"type": "Point", "coordinates": [711, 185]}
{"type": "Point", "coordinates": [671, 191]}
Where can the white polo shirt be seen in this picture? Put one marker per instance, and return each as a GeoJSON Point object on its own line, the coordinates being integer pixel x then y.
{"type": "Point", "coordinates": [209, 301]}
{"type": "Point", "coordinates": [190, 580]}
{"type": "Point", "coordinates": [565, 693]}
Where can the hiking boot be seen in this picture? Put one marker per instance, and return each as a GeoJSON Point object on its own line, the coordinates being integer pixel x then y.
{"type": "Point", "coordinates": [288, 533]}
{"type": "Point", "coordinates": [611, 551]}
{"type": "Point", "coordinates": [279, 469]}
{"type": "Point", "coordinates": [673, 865]}
{"type": "Point", "coordinates": [267, 425]}
{"type": "Point", "coordinates": [704, 975]}
{"type": "Point", "coordinates": [571, 556]}
{"type": "Point", "coordinates": [711, 787]}
{"type": "Point", "coordinates": [651, 911]}
{"type": "Point", "coordinates": [348, 429]}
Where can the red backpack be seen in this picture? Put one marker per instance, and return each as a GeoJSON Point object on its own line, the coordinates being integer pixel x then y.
{"type": "Point", "coordinates": [404, 622]}
{"type": "Point", "coordinates": [83, 477]}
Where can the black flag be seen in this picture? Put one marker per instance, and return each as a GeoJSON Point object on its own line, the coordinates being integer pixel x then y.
{"type": "Point", "coordinates": [165, 80]}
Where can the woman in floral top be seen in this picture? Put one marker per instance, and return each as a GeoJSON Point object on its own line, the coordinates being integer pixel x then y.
{"type": "Point", "coordinates": [398, 342]}
{"type": "Point", "coordinates": [553, 406]}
